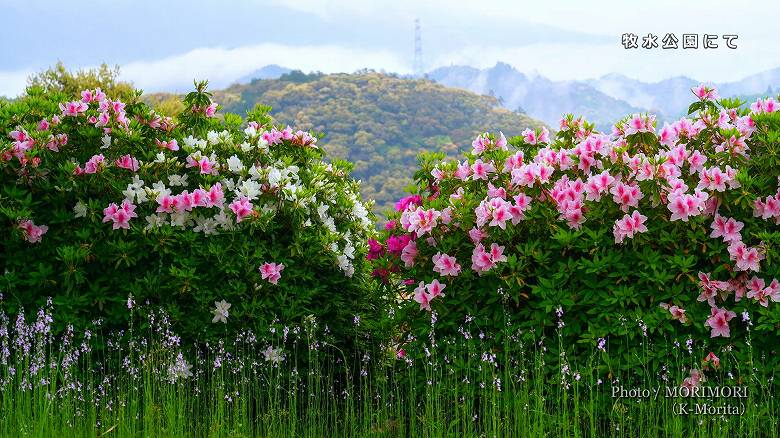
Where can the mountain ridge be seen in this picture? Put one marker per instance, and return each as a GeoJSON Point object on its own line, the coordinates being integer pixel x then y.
{"type": "Point", "coordinates": [601, 100]}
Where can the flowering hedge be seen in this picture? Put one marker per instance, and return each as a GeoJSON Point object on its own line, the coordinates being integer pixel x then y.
{"type": "Point", "coordinates": [666, 232]}
{"type": "Point", "coordinates": [106, 203]}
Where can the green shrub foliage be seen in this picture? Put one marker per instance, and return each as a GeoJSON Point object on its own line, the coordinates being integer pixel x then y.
{"type": "Point", "coordinates": [226, 224]}
{"type": "Point", "coordinates": [648, 236]}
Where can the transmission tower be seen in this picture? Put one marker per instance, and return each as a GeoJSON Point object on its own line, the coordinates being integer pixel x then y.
{"type": "Point", "coordinates": [418, 59]}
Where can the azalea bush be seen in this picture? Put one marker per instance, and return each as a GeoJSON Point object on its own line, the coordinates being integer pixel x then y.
{"type": "Point", "coordinates": [222, 222]}
{"type": "Point", "coordinates": [650, 235]}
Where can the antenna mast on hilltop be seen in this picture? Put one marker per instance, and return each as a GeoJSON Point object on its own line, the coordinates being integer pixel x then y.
{"type": "Point", "coordinates": [418, 60]}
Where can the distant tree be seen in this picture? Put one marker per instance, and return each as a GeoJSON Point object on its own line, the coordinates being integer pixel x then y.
{"type": "Point", "coordinates": [59, 78]}
{"type": "Point", "coordinates": [299, 77]}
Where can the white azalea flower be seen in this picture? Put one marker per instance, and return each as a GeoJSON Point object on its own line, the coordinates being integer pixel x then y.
{"type": "Point", "coordinates": [221, 311]}
{"type": "Point", "coordinates": [250, 131]}
{"type": "Point", "coordinates": [160, 158]}
{"type": "Point", "coordinates": [106, 141]}
{"type": "Point", "coordinates": [155, 221]}
{"type": "Point", "coordinates": [213, 137]}
{"type": "Point", "coordinates": [250, 189]}
{"type": "Point", "coordinates": [274, 177]}
{"type": "Point", "coordinates": [206, 225]}
{"type": "Point", "coordinates": [255, 172]}
{"type": "Point", "coordinates": [177, 180]}
{"type": "Point", "coordinates": [262, 145]}
{"type": "Point", "coordinates": [80, 209]}
{"type": "Point", "coordinates": [190, 142]}
{"type": "Point", "coordinates": [180, 219]}
{"type": "Point", "coordinates": [235, 165]}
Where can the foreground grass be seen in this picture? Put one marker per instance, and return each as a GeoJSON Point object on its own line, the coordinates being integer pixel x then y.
{"type": "Point", "coordinates": [141, 385]}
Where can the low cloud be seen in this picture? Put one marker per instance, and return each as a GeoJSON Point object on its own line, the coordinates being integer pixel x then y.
{"type": "Point", "coordinates": [223, 66]}
{"type": "Point", "coordinates": [12, 83]}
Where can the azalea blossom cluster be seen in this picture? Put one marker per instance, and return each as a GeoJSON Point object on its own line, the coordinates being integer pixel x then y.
{"type": "Point", "coordinates": [211, 184]}
{"type": "Point", "coordinates": [681, 173]}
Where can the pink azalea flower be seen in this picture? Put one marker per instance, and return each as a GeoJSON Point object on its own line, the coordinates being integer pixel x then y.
{"type": "Point", "coordinates": [496, 211]}
{"type": "Point", "coordinates": [435, 289]}
{"type": "Point", "coordinates": [696, 162]}
{"type": "Point", "coordinates": [445, 265]}
{"type": "Point", "coordinates": [667, 136]}
{"type": "Point", "coordinates": [710, 288]}
{"type": "Point", "coordinates": [684, 205]}
{"type": "Point", "coordinates": [170, 145]}
{"type": "Point", "coordinates": [463, 172]}
{"type": "Point", "coordinates": [204, 164]}
{"type": "Point", "coordinates": [73, 108]}
{"type": "Point", "coordinates": [422, 296]}
{"type": "Point", "coordinates": [199, 198]}
{"type": "Point", "coordinates": [497, 253]}
{"type": "Point", "coordinates": [409, 253]}
{"type": "Point", "coordinates": [704, 92]}
{"type": "Point", "coordinates": [183, 202]}
{"type": "Point", "coordinates": [678, 314]}
{"type": "Point", "coordinates": [166, 204]}
{"type": "Point", "coordinates": [639, 123]}
{"type": "Point", "coordinates": [120, 216]}
{"type": "Point", "coordinates": [518, 209]}
{"type": "Point", "coordinates": [719, 322]}
{"type": "Point", "coordinates": [768, 106]}
{"type": "Point", "coordinates": [216, 197]}
{"type": "Point", "coordinates": [271, 272]}
{"type": "Point", "coordinates": [529, 136]}
{"type": "Point", "coordinates": [746, 258]}
{"type": "Point", "coordinates": [597, 185]}
{"type": "Point", "coordinates": [496, 192]}
{"type": "Point", "coordinates": [94, 164]}
{"type": "Point", "coordinates": [242, 208]}
{"type": "Point", "coordinates": [476, 235]}
{"type": "Point", "coordinates": [481, 170]}
{"type": "Point", "coordinates": [626, 195]}
{"type": "Point", "coordinates": [628, 226]}
{"type": "Point", "coordinates": [713, 179]}
{"type": "Point", "coordinates": [31, 232]}
{"type": "Point", "coordinates": [513, 161]}
{"type": "Point", "coordinates": [712, 359]}
{"type": "Point", "coordinates": [211, 110]}
{"type": "Point", "coordinates": [481, 260]}
{"type": "Point", "coordinates": [127, 162]}
{"type": "Point", "coordinates": [420, 221]}
{"type": "Point", "coordinates": [480, 144]}
{"type": "Point", "coordinates": [536, 136]}
{"type": "Point", "coordinates": [694, 380]}
{"type": "Point", "coordinates": [727, 228]}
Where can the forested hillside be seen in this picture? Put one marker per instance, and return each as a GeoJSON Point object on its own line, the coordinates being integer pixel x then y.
{"type": "Point", "coordinates": [379, 122]}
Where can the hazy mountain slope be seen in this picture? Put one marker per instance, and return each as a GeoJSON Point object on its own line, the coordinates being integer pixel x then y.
{"type": "Point", "coordinates": [271, 71]}
{"type": "Point", "coordinates": [537, 96]}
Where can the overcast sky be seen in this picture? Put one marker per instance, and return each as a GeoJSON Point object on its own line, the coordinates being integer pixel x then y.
{"type": "Point", "coordinates": [164, 45]}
